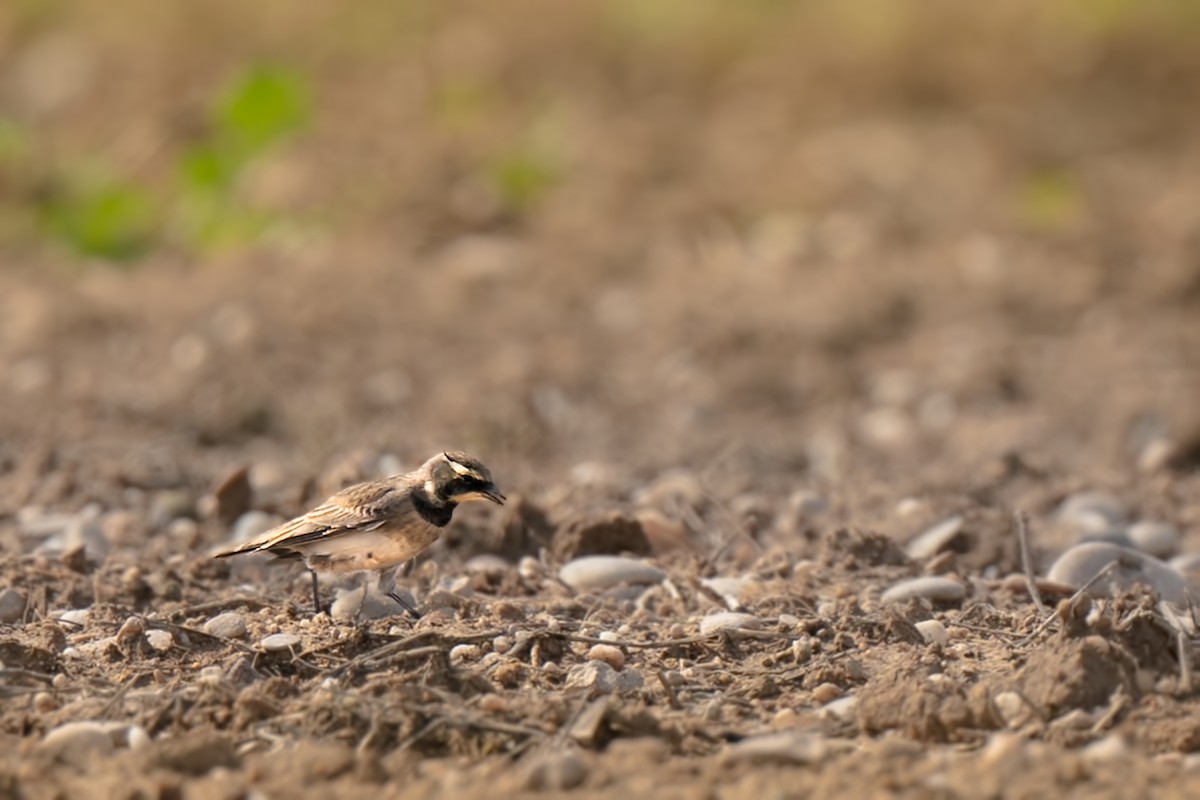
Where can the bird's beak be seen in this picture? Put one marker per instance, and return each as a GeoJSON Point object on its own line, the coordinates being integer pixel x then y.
{"type": "Point", "coordinates": [494, 494]}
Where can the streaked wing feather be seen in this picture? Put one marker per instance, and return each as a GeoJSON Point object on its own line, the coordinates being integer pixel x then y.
{"type": "Point", "coordinates": [359, 508]}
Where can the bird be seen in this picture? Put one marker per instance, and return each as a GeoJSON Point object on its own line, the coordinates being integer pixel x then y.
{"type": "Point", "coordinates": [378, 524]}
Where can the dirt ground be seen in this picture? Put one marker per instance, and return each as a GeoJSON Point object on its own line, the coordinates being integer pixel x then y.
{"type": "Point", "coordinates": [773, 291]}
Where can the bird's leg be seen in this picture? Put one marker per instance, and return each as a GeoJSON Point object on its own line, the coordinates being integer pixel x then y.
{"type": "Point", "coordinates": [316, 595]}
{"type": "Point", "coordinates": [362, 605]}
{"type": "Point", "coordinates": [407, 606]}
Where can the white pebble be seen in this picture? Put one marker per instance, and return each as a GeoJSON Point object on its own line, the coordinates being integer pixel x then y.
{"type": "Point", "coordinates": [842, 708]}
{"type": "Point", "coordinates": [160, 640]}
{"type": "Point", "coordinates": [230, 625]}
{"type": "Point", "coordinates": [131, 628]}
{"type": "Point", "coordinates": [602, 678]}
{"type": "Point", "coordinates": [1156, 538]}
{"type": "Point", "coordinates": [1083, 562]}
{"type": "Point", "coordinates": [1106, 750]}
{"type": "Point", "coordinates": [76, 616]}
{"type": "Point", "coordinates": [729, 621]}
{"type": "Point", "coordinates": [1091, 511]}
{"type": "Point", "coordinates": [789, 747]}
{"type": "Point", "coordinates": [930, 587]}
{"type": "Point", "coordinates": [1012, 709]}
{"type": "Point", "coordinates": [933, 632]}
{"type": "Point", "coordinates": [933, 540]}
{"type": "Point", "coordinates": [462, 653]}
{"type": "Point", "coordinates": [602, 572]}
{"type": "Point", "coordinates": [279, 641]}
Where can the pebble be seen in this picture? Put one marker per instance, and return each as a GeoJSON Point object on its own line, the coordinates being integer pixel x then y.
{"type": "Point", "coordinates": [462, 653]}
{"type": "Point", "coordinates": [788, 747]}
{"type": "Point", "coordinates": [827, 693]}
{"type": "Point", "coordinates": [933, 632]}
{"type": "Point", "coordinates": [44, 703]}
{"type": "Point", "coordinates": [1094, 511]}
{"type": "Point", "coordinates": [130, 629]}
{"type": "Point", "coordinates": [530, 569]}
{"type": "Point", "coordinates": [160, 640]}
{"type": "Point", "coordinates": [608, 654]}
{"type": "Point", "coordinates": [1156, 538]}
{"type": "Point", "coordinates": [76, 616]}
{"type": "Point", "coordinates": [603, 572]}
{"type": "Point", "coordinates": [602, 678]}
{"type": "Point", "coordinates": [1082, 562]}
{"type": "Point", "coordinates": [12, 606]}
{"type": "Point", "coordinates": [1012, 709]}
{"type": "Point", "coordinates": [279, 641]}
{"type": "Point", "coordinates": [1187, 564]}
{"type": "Point", "coordinates": [935, 539]}
{"type": "Point", "coordinates": [70, 532]}
{"type": "Point", "coordinates": [1106, 750]}
{"type": "Point", "coordinates": [229, 625]}
{"type": "Point", "coordinates": [556, 772]}
{"type": "Point", "coordinates": [251, 524]}
{"type": "Point", "coordinates": [487, 564]}
{"type": "Point", "coordinates": [348, 605]}
{"type": "Point", "coordinates": [78, 743]}
{"type": "Point", "coordinates": [729, 589]}
{"type": "Point", "coordinates": [842, 708]}
{"type": "Point", "coordinates": [931, 588]}
{"type": "Point", "coordinates": [731, 621]}
{"type": "Point", "coordinates": [502, 644]}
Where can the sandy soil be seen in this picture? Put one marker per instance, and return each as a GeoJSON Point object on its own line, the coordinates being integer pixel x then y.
{"type": "Point", "coordinates": [793, 298]}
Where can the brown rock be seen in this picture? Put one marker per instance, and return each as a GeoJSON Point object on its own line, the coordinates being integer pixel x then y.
{"type": "Point", "coordinates": [610, 534]}
{"type": "Point", "coordinates": [524, 530]}
{"type": "Point", "coordinates": [234, 495]}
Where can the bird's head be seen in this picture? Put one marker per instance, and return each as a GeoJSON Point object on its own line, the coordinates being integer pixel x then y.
{"type": "Point", "coordinates": [455, 477]}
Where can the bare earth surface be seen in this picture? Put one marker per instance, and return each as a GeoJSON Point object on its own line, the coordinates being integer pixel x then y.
{"type": "Point", "coordinates": [792, 299]}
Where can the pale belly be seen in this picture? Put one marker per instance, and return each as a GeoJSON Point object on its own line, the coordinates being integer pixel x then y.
{"type": "Point", "coordinates": [367, 550]}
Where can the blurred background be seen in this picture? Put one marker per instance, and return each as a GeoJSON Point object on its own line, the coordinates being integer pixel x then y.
{"type": "Point", "coordinates": [886, 246]}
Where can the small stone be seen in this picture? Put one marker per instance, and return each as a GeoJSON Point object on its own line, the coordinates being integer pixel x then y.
{"type": "Point", "coordinates": [556, 772]}
{"type": "Point", "coordinates": [790, 747]}
{"type": "Point", "coordinates": [78, 617]}
{"type": "Point", "coordinates": [136, 738]}
{"type": "Point", "coordinates": [229, 625]}
{"type": "Point", "coordinates": [603, 572]}
{"type": "Point", "coordinates": [1080, 564]}
{"type": "Point", "coordinates": [463, 653]}
{"type": "Point", "coordinates": [487, 564]}
{"type": "Point", "coordinates": [933, 588]}
{"type": "Point", "coordinates": [612, 533]}
{"type": "Point", "coordinates": [941, 537]}
{"type": "Point", "coordinates": [826, 693]}
{"type": "Point", "coordinates": [933, 632]}
{"type": "Point", "coordinates": [730, 621]}
{"type": "Point", "coordinates": [251, 524]}
{"type": "Point", "coordinates": [234, 495]}
{"type": "Point", "coordinates": [160, 640]}
{"type": "Point", "coordinates": [1012, 709]}
{"type": "Point", "coordinates": [278, 642]}
{"type": "Point", "coordinates": [608, 654]}
{"type": "Point", "coordinates": [1091, 511]}
{"type": "Point", "coordinates": [348, 605]}
{"type": "Point", "coordinates": [44, 703]}
{"type": "Point", "coordinates": [842, 708]}
{"type": "Point", "coordinates": [729, 589]}
{"type": "Point", "coordinates": [802, 650]}
{"type": "Point", "coordinates": [1104, 751]}
{"type": "Point", "coordinates": [130, 629]}
{"type": "Point", "coordinates": [1155, 538]}
{"type": "Point", "coordinates": [12, 606]}
{"type": "Point", "coordinates": [603, 679]}
{"type": "Point", "coordinates": [530, 569]}
{"type": "Point", "coordinates": [78, 743]}
{"type": "Point", "coordinates": [502, 644]}
{"type": "Point", "coordinates": [493, 704]}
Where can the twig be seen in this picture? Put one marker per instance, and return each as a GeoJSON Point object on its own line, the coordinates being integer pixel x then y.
{"type": "Point", "coordinates": [1021, 521]}
{"type": "Point", "coordinates": [27, 674]}
{"type": "Point", "coordinates": [1078, 593]}
{"type": "Point", "coordinates": [383, 652]}
{"type": "Point", "coordinates": [219, 605]}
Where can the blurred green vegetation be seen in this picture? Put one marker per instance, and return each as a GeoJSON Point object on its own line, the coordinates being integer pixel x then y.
{"type": "Point", "coordinates": [378, 112]}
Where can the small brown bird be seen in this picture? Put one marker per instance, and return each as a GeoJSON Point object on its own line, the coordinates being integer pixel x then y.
{"type": "Point", "coordinates": [378, 524]}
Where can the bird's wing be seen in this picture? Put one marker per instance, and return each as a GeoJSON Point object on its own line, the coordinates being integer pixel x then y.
{"type": "Point", "coordinates": [359, 508]}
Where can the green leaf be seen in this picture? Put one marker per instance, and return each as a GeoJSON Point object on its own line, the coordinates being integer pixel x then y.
{"type": "Point", "coordinates": [264, 106]}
